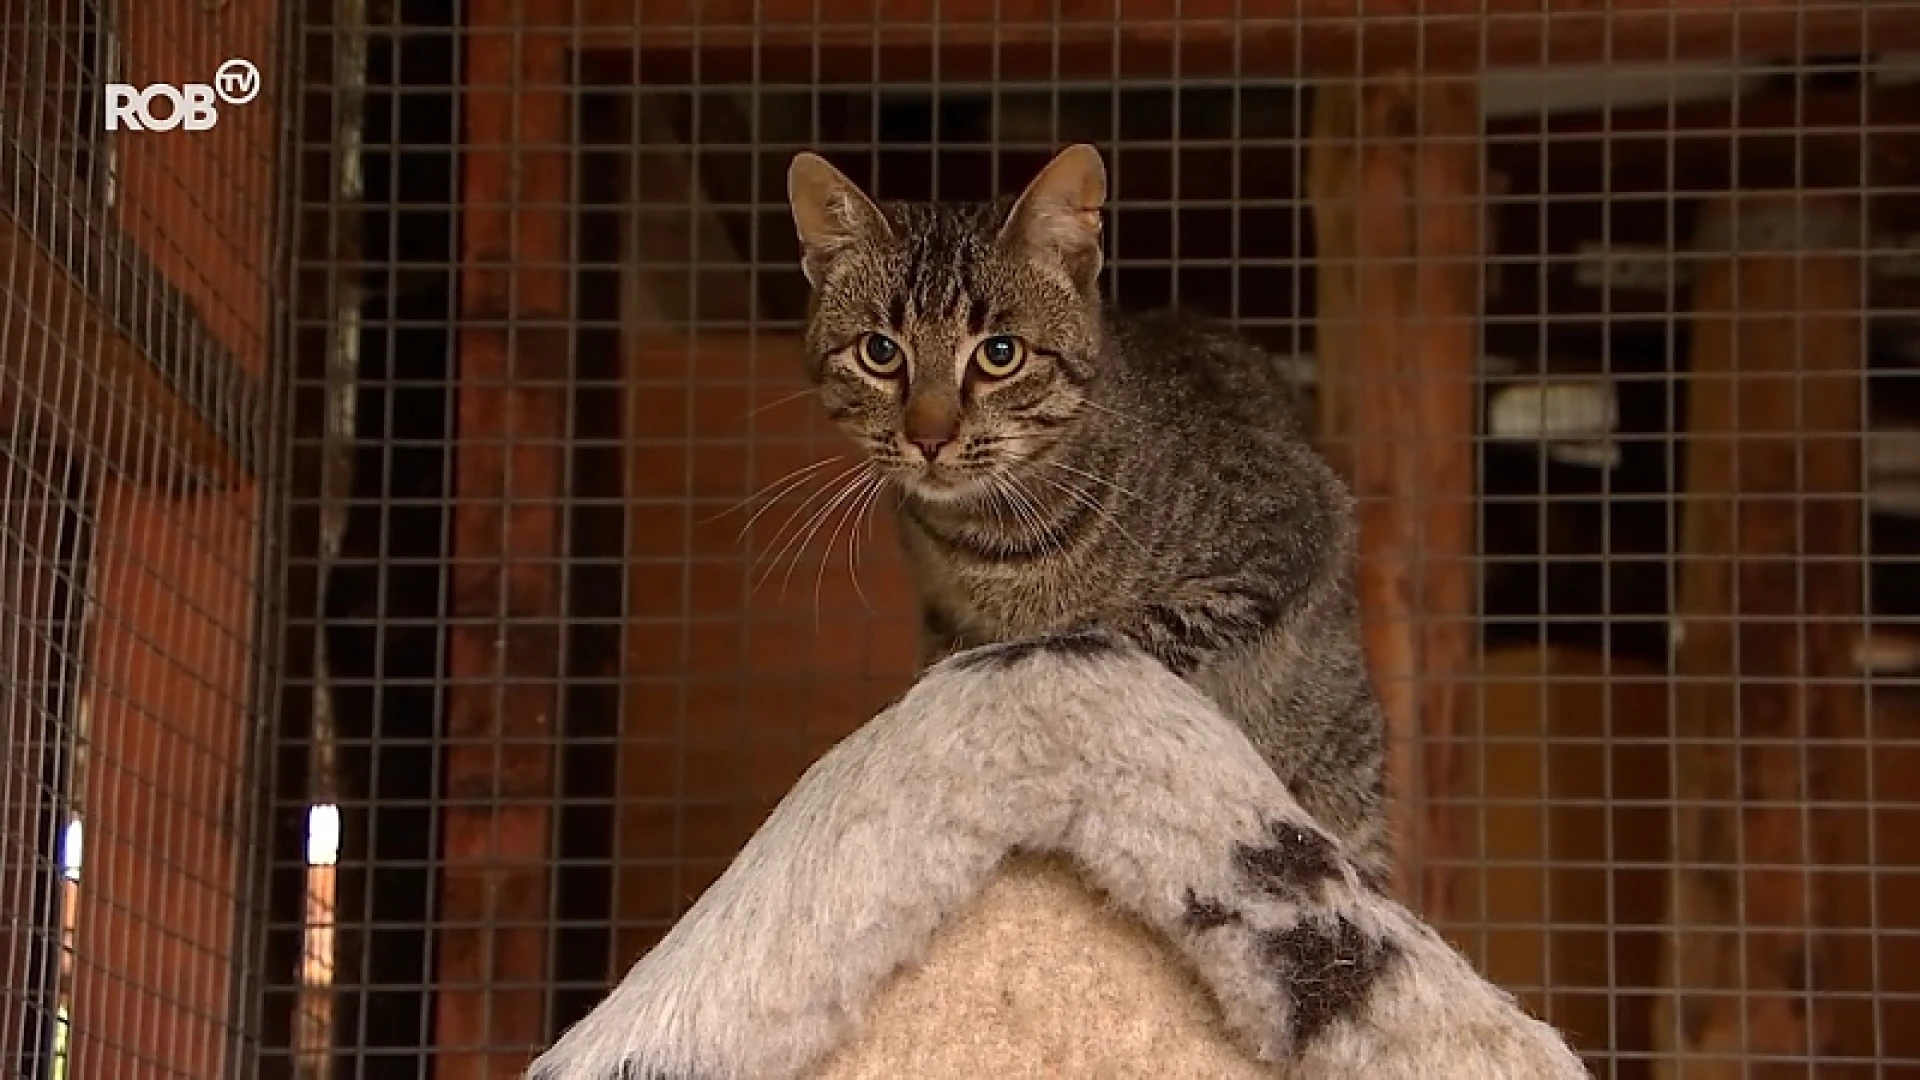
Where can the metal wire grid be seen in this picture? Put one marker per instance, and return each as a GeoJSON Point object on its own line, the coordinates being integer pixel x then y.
{"type": "Point", "coordinates": [137, 321]}
{"type": "Point", "coordinates": [553, 685]}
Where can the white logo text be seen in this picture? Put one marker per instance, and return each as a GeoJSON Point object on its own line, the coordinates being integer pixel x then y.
{"type": "Point", "coordinates": [194, 106]}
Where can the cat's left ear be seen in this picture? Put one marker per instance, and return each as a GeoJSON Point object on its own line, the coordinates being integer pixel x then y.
{"type": "Point", "coordinates": [1058, 216]}
{"type": "Point", "coordinates": [831, 213]}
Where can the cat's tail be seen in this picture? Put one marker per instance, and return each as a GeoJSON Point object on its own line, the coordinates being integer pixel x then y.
{"type": "Point", "coordinates": [1079, 744]}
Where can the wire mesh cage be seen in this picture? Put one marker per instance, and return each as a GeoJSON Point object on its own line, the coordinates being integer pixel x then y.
{"type": "Point", "coordinates": [414, 632]}
{"type": "Point", "coordinates": [1603, 319]}
{"type": "Point", "coordinates": [138, 327]}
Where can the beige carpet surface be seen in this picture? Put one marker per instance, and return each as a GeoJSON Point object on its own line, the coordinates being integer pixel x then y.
{"type": "Point", "coordinates": [1037, 978]}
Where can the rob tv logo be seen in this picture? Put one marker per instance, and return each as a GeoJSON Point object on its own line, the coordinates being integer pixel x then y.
{"type": "Point", "coordinates": [195, 106]}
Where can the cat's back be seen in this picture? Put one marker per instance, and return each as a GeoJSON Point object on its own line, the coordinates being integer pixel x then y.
{"type": "Point", "coordinates": [1190, 366]}
{"type": "Point", "coordinates": [1218, 430]}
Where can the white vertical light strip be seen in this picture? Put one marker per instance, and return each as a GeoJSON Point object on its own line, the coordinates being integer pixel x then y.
{"type": "Point", "coordinates": [323, 835]}
{"type": "Point", "coordinates": [72, 844]}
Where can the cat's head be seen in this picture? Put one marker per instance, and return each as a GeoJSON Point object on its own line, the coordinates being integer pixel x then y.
{"type": "Point", "coordinates": [952, 342]}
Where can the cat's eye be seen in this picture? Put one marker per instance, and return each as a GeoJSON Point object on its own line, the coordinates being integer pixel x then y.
{"type": "Point", "coordinates": [1000, 356]}
{"type": "Point", "coordinates": [880, 355]}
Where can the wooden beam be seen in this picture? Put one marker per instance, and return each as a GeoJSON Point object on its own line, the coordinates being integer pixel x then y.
{"type": "Point", "coordinates": [1394, 172]}
{"type": "Point", "coordinates": [1557, 296]}
{"type": "Point", "coordinates": [1542, 245]}
{"type": "Point", "coordinates": [857, 41]}
{"type": "Point", "coordinates": [506, 660]}
{"type": "Point", "coordinates": [1791, 137]}
{"type": "Point", "coordinates": [1770, 602]}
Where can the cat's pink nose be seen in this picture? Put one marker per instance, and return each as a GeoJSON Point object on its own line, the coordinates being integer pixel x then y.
{"type": "Point", "coordinates": [930, 448]}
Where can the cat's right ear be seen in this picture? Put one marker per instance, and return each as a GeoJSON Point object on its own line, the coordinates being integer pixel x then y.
{"type": "Point", "coordinates": [831, 212]}
{"type": "Point", "coordinates": [1058, 217]}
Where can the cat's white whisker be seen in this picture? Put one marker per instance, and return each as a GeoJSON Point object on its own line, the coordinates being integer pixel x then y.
{"type": "Point", "coordinates": [993, 500]}
{"type": "Point", "coordinates": [874, 491]}
{"type": "Point", "coordinates": [1030, 511]}
{"type": "Point", "coordinates": [844, 503]}
{"type": "Point", "coordinates": [998, 495]}
{"type": "Point", "coordinates": [792, 528]}
{"type": "Point", "coordinates": [773, 493]}
{"type": "Point", "coordinates": [846, 516]}
{"type": "Point", "coordinates": [1096, 478]}
{"type": "Point", "coordinates": [1110, 411]}
{"type": "Point", "coordinates": [795, 517]}
{"type": "Point", "coordinates": [816, 523]}
{"type": "Point", "coordinates": [1095, 506]}
{"type": "Point", "coordinates": [776, 403]}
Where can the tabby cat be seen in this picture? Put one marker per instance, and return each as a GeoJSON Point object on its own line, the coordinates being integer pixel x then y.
{"type": "Point", "coordinates": [1064, 466]}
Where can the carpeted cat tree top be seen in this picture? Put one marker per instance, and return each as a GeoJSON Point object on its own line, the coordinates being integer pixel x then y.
{"type": "Point", "coordinates": [1040, 976]}
{"type": "Point", "coordinates": [1050, 859]}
